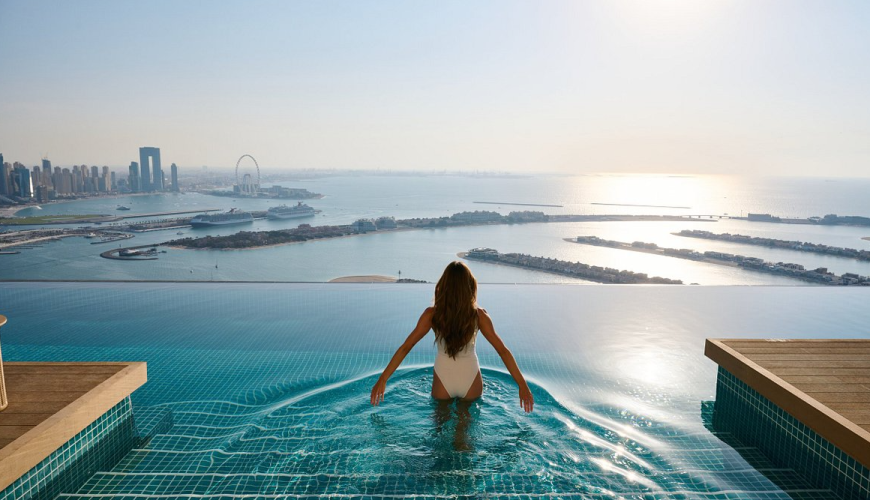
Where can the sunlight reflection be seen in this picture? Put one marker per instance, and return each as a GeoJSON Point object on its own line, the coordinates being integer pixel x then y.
{"type": "Point", "coordinates": [608, 466]}
{"type": "Point", "coordinates": [616, 449]}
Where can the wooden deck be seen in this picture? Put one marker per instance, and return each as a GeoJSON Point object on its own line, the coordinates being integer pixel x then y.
{"type": "Point", "coordinates": [49, 403]}
{"type": "Point", "coordinates": [823, 383]}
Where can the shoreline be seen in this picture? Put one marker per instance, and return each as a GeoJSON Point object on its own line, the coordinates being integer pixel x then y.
{"type": "Point", "coordinates": [365, 278]}
{"type": "Point", "coordinates": [16, 209]}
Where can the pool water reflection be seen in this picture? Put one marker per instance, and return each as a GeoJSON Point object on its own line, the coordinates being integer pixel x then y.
{"type": "Point", "coordinates": [268, 385]}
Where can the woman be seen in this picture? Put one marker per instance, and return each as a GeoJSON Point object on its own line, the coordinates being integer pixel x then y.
{"type": "Point", "coordinates": [455, 319]}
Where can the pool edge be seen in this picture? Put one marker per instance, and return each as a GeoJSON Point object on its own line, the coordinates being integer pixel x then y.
{"type": "Point", "coordinates": [31, 448]}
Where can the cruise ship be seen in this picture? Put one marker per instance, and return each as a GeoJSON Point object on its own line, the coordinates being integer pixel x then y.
{"type": "Point", "coordinates": [285, 212]}
{"type": "Point", "coordinates": [225, 219]}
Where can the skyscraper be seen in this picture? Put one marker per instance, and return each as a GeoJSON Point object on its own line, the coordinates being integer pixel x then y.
{"type": "Point", "coordinates": [134, 179]}
{"type": "Point", "coordinates": [46, 174]}
{"type": "Point", "coordinates": [4, 184]}
{"type": "Point", "coordinates": [152, 178]}
{"type": "Point", "coordinates": [174, 172]}
{"type": "Point", "coordinates": [57, 180]}
{"type": "Point", "coordinates": [67, 181]}
{"type": "Point", "coordinates": [25, 188]}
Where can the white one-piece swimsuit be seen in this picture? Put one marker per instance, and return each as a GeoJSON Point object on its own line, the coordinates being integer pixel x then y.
{"type": "Point", "coordinates": [457, 374]}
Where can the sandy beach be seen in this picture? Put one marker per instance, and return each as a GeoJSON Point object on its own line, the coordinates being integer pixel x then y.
{"type": "Point", "coordinates": [371, 278]}
{"type": "Point", "coordinates": [7, 212]}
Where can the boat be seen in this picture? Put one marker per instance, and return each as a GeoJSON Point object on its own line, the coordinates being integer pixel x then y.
{"type": "Point", "coordinates": [285, 212]}
{"type": "Point", "coordinates": [179, 233]}
{"type": "Point", "coordinates": [122, 207]}
{"type": "Point", "coordinates": [91, 235]}
{"type": "Point", "coordinates": [234, 216]}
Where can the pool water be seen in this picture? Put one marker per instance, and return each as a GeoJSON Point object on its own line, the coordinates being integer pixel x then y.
{"type": "Point", "coordinates": [268, 387]}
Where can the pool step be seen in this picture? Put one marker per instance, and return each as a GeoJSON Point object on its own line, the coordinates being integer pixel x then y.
{"type": "Point", "coordinates": [452, 482]}
{"type": "Point", "coordinates": [361, 460]}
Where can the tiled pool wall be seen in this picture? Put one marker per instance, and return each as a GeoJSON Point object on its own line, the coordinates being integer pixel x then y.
{"type": "Point", "coordinates": [99, 446]}
{"type": "Point", "coordinates": [757, 421]}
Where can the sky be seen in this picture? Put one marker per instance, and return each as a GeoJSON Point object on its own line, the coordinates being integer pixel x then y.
{"type": "Point", "coordinates": [755, 87]}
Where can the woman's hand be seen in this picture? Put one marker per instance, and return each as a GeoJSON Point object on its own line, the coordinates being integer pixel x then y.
{"type": "Point", "coordinates": [378, 392]}
{"type": "Point", "coordinates": [527, 401]}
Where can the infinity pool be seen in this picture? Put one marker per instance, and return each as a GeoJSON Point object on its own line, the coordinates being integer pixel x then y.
{"type": "Point", "coordinates": [268, 387]}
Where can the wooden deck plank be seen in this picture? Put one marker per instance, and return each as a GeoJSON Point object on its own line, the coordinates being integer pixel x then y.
{"type": "Point", "coordinates": [823, 383]}
{"type": "Point", "coordinates": [850, 363]}
{"type": "Point", "coordinates": [833, 388]}
{"type": "Point", "coordinates": [13, 431]}
{"type": "Point", "coordinates": [801, 355]}
{"type": "Point", "coordinates": [49, 403]}
{"type": "Point", "coordinates": [804, 350]}
{"type": "Point", "coordinates": [51, 368]}
{"type": "Point", "coordinates": [844, 372]}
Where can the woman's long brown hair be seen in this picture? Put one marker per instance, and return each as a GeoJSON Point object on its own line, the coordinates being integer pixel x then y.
{"type": "Point", "coordinates": [455, 317]}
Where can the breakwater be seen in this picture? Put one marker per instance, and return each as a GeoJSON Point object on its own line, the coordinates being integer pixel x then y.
{"type": "Point", "coordinates": [517, 204]}
{"type": "Point", "coordinates": [800, 246]}
{"type": "Point", "coordinates": [579, 270]}
{"type": "Point", "coordinates": [819, 275]}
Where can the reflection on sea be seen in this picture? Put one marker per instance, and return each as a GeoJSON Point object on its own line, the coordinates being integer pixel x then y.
{"type": "Point", "coordinates": [422, 254]}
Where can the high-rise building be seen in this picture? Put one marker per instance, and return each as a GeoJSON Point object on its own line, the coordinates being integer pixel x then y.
{"type": "Point", "coordinates": [57, 180]}
{"type": "Point", "coordinates": [42, 194]}
{"type": "Point", "coordinates": [134, 179]}
{"type": "Point", "coordinates": [4, 181]}
{"type": "Point", "coordinates": [78, 174]}
{"type": "Point", "coordinates": [46, 174]}
{"type": "Point", "coordinates": [152, 178]}
{"type": "Point", "coordinates": [173, 170]}
{"type": "Point", "coordinates": [24, 187]}
{"type": "Point", "coordinates": [113, 186]}
{"type": "Point", "coordinates": [67, 181]}
{"type": "Point", "coordinates": [35, 178]}
{"type": "Point", "coordinates": [95, 171]}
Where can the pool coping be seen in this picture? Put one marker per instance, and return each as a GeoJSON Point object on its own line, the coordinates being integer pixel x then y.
{"type": "Point", "coordinates": [839, 430]}
{"type": "Point", "coordinates": [29, 449]}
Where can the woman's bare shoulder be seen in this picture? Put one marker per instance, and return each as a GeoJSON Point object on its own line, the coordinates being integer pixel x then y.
{"type": "Point", "coordinates": [482, 314]}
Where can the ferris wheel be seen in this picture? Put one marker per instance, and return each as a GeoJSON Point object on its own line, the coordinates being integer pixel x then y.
{"type": "Point", "coordinates": [247, 183]}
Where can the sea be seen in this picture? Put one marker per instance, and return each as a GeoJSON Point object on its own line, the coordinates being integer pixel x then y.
{"type": "Point", "coordinates": [422, 254]}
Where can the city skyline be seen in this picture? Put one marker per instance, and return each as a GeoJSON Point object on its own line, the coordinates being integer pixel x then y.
{"type": "Point", "coordinates": [677, 86]}
{"type": "Point", "coordinates": [44, 183]}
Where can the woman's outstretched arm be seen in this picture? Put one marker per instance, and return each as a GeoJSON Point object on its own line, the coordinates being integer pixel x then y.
{"type": "Point", "coordinates": [424, 324]}
{"type": "Point", "coordinates": [527, 401]}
